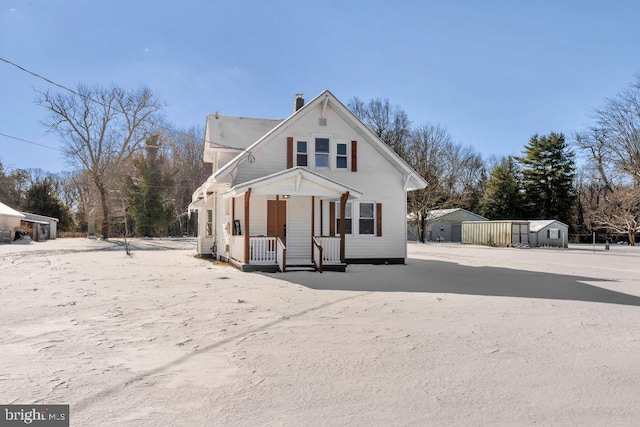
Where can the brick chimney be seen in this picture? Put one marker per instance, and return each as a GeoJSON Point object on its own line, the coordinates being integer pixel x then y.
{"type": "Point", "coordinates": [299, 102]}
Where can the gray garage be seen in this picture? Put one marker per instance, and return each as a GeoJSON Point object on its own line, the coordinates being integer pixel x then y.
{"type": "Point", "coordinates": [443, 225]}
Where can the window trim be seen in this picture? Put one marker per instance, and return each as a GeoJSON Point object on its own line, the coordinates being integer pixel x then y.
{"type": "Point", "coordinates": [208, 228]}
{"type": "Point", "coordinates": [336, 156]}
{"type": "Point", "coordinates": [322, 153]}
{"type": "Point", "coordinates": [374, 218]}
{"type": "Point", "coordinates": [298, 153]}
{"type": "Point", "coordinates": [347, 233]}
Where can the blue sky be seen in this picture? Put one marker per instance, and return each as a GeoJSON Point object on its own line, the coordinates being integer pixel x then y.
{"type": "Point", "coordinates": [493, 72]}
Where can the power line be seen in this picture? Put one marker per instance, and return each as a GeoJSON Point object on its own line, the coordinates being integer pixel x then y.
{"type": "Point", "coordinates": [34, 74]}
{"type": "Point", "coordinates": [30, 142]}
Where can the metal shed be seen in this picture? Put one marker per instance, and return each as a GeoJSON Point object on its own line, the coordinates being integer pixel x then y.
{"type": "Point", "coordinates": [443, 224]}
{"type": "Point", "coordinates": [548, 233]}
{"type": "Point", "coordinates": [495, 233]}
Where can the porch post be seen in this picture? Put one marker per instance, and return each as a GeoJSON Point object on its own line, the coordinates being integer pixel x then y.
{"type": "Point", "coordinates": [313, 221]}
{"type": "Point", "coordinates": [343, 202]}
{"type": "Point", "coordinates": [247, 195]}
{"type": "Point", "coordinates": [276, 215]}
{"type": "Point", "coordinates": [321, 221]}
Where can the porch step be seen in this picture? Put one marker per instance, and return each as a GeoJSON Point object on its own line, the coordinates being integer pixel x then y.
{"type": "Point", "coordinates": [300, 267]}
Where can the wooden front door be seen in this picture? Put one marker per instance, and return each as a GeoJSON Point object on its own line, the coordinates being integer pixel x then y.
{"type": "Point", "coordinates": [277, 219]}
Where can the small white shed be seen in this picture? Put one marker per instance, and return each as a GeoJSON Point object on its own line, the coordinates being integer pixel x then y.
{"type": "Point", "coordinates": [548, 233]}
{"type": "Point", "coordinates": [9, 222]}
{"type": "Point", "coordinates": [44, 227]}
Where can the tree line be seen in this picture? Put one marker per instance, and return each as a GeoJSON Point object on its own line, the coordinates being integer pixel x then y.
{"type": "Point", "coordinates": [129, 167]}
{"type": "Point", "coordinates": [132, 169]}
{"type": "Point", "coordinates": [599, 195]}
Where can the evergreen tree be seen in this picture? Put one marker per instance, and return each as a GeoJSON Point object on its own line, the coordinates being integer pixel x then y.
{"type": "Point", "coordinates": [41, 199]}
{"type": "Point", "coordinates": [148, 206]}
{"type": "Point", "coordinates": [503, 198]}
{"type": "Point", "coordinates": [548, 169]}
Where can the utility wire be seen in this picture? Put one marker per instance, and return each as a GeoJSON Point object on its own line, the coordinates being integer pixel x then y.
{"type": "Point", "coordinates": [34, 74]}
{"type": "Point", "coordinates": [30, 142]}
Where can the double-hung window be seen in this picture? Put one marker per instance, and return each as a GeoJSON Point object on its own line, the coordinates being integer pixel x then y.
{"type": "Point", "coordinates": [301, 154]}
{"type": "Point", "coordinates": [347, 218]}
{"type": "Point", "coordinates": [322, 152]}
{"type": "Point", "coordinates": [341, 155]}
{"type": "Point", "coordinates": [367, 221]}
{"type": "Point", "coordinates": [209, 225]}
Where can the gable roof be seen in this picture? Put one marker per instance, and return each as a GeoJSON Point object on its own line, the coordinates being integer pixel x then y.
{"type": "Point", "coordinates": [233, 133]}
{"type": "Point", "coordinates": [440, 213]}
{"type": "Point", "coordinates": [414, 180]}
{"type": "Point", "coordinates": [537, 225]}
{"type": "Point", "coordinates": [7, 211]}
{"type": "Point", "coordinates": [297, 181]}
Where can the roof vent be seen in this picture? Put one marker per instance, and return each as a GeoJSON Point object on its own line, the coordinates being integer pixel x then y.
{"type": "Point", "coordinates": [299, 102]}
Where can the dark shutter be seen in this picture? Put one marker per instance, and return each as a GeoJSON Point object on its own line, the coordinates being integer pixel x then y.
{"type": "Point", "coordinates": [289, 152]}
{"type": "Point", "coordinates": [354, 156]}
{"type": "Point", "coordinates": [378, 219]}
{"type": "Point", "coordinates": [332, 219]}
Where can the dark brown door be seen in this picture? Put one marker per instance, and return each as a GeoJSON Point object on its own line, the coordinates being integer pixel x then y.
{"type": "Point", "coordinates": [277, 219]}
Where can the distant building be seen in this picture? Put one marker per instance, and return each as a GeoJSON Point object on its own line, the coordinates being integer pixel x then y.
{"type": "Point", "coordinates": [531, 233]}
{"type": "Point", "coordinates": [42, 227]}
{"type": "Point", "coordinates": [9, 222]}
{"type": "Point", "coordinates": [548, 233]}
{"type": "Point", "coordinates": [442, 225]}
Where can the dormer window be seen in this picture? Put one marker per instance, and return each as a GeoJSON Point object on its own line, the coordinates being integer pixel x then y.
{"type": "Point", "coordinates": [301, 154]}
{"type": "Point", "coordinates": [322, 152]}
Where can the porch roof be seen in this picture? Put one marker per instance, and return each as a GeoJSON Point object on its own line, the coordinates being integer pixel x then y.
{"type": "Point", "coordinates": [296, 181]}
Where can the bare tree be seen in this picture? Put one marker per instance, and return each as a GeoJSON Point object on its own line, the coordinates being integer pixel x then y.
{"type": "Point", "coordinates": [391, 124]}
{"type": "Point", "coordinates": [620, 213]}
{"type": "Point", "coordinates": [612, 149]}
{"type": "Point", "coordinates": [455, 173]}
{"type": "Point", "coordinates": [184, 155]}
{"type": "Point", "coordinates": [101, 128]}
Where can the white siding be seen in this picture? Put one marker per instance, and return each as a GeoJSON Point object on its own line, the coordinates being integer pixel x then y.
{"type": "Point", "coordinates": [299, 228]}
{"type": "Point", "coordinates": [258, 215]}
{"type": "Point", "coordinates": [378, 179]}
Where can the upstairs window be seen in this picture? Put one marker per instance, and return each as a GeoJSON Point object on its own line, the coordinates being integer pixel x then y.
{"type": "Point", "coordinates": [347, 218]}
{"type": "Point", "coordinates": [367, 219]}
{"type": "Point", "coordinates": [301, 154]}
{"type": "Point", "coordinates": [341, 155]}
{"type": "Point", "coordinates": [322, 152]}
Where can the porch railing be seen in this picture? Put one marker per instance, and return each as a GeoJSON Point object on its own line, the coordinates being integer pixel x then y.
{"type": "Point", "coordinates": [330, 249]}
{"type": "Point", "coordinates": [236, 250]}
{"type": "Point", "coordinates": [281, 255]}
{"type": "Point", "coordinates": [317, 255]}
{"type": "Point", "coordinates": [263, 250]}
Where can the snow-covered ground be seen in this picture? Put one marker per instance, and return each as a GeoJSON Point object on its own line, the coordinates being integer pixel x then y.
{"type": "Point", "coordinates": [461, 335]}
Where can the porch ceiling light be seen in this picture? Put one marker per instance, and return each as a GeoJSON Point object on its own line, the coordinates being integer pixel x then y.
{"type": "Point", "coordinates": [285, 196]}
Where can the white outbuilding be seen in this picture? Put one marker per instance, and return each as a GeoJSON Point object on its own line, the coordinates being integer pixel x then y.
{"type": "Point", "coordinates": [548, 233]}
{"type": "Point", "coordinates": [42, 227]}
{"type": "Point", "coordinates": [9, 222]}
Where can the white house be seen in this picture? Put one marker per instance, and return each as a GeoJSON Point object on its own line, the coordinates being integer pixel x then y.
{"type": "Point", "coordinates": [318, 189]}
{"type": "Point", "coordinates": [9, 222]}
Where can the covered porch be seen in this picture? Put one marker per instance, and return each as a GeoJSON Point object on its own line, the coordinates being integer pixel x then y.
{"type": "Point", "coordinates": [286, 222]}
